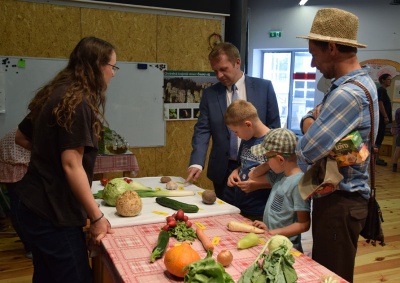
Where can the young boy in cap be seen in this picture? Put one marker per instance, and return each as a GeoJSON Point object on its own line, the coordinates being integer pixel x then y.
{"type": "Point", "coordinates": [250, 196]}
{"type": "Point", "coordinates": [339, 217]}
{"type": "Point", "coordinates": [286, 213]}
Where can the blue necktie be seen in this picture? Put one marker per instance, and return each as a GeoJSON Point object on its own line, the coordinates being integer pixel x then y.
{"type": "Point", "coordinates": [233, 139]}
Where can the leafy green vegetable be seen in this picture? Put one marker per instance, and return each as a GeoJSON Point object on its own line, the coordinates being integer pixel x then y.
{"type": "Point", "coordinates": [207, 270]}
{"type": "Point", "coordinates": [99, 194]}
{"type": "Point", "coordinates": [113, 189]}
{"type": "Point", "coordinates": [276, 267]}
{"type": "Point", "coordinates": [278, 240]}
{"type": "Point", "coordinates": [181, 232]}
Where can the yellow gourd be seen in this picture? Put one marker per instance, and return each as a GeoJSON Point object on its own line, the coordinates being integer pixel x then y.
{"type": "Point", "coordinates": [176, 258]}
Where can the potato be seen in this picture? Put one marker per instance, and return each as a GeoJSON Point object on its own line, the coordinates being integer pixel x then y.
{"type": "Point", "coordinates": [165, 179]}
{"type": "Point", "coordinates": [209, 196]}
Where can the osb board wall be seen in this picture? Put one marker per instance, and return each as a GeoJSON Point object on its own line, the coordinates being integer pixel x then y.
{"type": "Point", "coordinates": [51, 31]}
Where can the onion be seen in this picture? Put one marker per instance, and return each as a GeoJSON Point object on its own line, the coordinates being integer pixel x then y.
{"type": "Point", "coordinates": [225, 257]}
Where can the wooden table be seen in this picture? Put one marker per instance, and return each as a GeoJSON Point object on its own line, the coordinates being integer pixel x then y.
{"type": "Point", "coordinates": [126, 163]}
{"type": "Point", "coordinates": [124, 255]}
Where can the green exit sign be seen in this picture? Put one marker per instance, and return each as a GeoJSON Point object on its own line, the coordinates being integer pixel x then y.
{"type": "Point", "coordinates": [275, 34]}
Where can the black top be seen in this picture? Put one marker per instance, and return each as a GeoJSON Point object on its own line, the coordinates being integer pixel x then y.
{"type": "Point", "coordinates": [44, 189]}
{"type": "Point", "coordinates": [384, 97]}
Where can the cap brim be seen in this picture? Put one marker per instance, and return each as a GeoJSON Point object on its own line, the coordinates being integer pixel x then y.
{"type": "Point", "coordinates": [333, 40]}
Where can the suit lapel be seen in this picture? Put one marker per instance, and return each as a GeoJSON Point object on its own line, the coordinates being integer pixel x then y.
{"type": "Point", "coordinates": [250, 91]}
{"type": "Point", "coordinates": [221, 97]}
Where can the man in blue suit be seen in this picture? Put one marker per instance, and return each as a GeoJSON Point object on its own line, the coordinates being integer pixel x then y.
{"type": "Point", "coordinates": [225, 62]}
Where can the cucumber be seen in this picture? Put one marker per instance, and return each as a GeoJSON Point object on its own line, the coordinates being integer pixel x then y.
{"type": "Point", "coordinates": [176, 205]}
{"type": "Point", "coordinates": [159, 249]}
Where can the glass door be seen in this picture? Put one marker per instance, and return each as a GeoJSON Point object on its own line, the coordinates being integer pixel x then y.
{"type": "Point", "coordinates": [294, 83]}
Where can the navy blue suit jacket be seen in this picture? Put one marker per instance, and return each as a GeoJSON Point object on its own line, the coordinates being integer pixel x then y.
{"type": "Point", "coordinates": [211, 123]}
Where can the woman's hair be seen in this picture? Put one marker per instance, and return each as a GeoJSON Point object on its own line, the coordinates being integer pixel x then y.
{"type": "Point", "coordinates": [240, 111]}
{"type": "Point", "coordinates": [383, 77]}
{"type": "Point", "coordinates": [84, 79]}
{"type": "Point", "coordinates": [226, 48]}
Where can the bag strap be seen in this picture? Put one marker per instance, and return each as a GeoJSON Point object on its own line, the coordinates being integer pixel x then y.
{"type": "Point", "coordinates": [371, 135]}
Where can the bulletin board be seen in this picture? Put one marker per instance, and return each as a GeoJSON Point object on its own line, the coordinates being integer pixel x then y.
{"type": "Point", "coordinates": [134, 107]}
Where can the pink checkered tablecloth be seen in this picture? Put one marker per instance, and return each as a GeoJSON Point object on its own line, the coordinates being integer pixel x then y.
{"type": "Point", "coordinates": [126, 253]}
{"type": "Point", "coordinates": [116, 163]}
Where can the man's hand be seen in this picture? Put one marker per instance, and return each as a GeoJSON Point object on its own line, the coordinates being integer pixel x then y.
{"type": "Point", "coordinates": [307, 122]}
{"type": "Point", "coordinates": [194, 174]}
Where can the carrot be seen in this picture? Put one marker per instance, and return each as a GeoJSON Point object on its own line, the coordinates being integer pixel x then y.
{"type": "Point", "coordinates": [207, 244]}
{"type": "Point", "coordinates": [236, 226]}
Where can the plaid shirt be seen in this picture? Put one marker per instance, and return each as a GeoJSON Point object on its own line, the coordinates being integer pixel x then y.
{"type": "Point", "coordinates": [345, 108]}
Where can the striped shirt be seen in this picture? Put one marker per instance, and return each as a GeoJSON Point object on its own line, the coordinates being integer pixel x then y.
{"type": "Point", "coordinates": [345, 109]}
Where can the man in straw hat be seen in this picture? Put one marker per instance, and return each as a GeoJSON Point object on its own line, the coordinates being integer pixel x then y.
{"type": "Point", "coordinates": [338, 216]}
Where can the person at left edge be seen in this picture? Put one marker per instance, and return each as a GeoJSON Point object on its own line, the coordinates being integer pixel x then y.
{"type": "Point", "coordinates": [225, 62]}
{"type": "Point", "coordinates": [63, 127]}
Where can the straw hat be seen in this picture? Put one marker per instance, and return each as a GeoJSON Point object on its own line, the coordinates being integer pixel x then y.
{"type": "Point", "coordinates": [335, 25]}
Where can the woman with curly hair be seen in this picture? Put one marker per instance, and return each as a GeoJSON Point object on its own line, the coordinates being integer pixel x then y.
{"type": "Point", "coordinates": [62, 129]}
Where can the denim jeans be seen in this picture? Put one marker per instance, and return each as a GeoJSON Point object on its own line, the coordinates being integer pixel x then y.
{"type": "Point", "coordinates": [59, 253]}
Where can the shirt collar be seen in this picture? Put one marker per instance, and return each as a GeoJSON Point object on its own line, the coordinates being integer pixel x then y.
{"type": "Point", "coordinates": [344, 79]}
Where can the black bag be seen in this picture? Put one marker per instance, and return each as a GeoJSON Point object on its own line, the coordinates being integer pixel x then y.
{"type": "Point", "coordinates": [372, 230]}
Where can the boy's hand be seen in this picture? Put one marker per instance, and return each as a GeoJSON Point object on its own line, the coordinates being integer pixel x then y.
{"type": "Point", "coordinates": [233, 178]}
{"type": "Point", "coordinates": [260, 224]}
{"type": "Point", "coordinates": [247, 186]}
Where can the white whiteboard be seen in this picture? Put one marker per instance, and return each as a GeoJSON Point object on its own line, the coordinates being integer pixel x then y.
{"type": "Point", "coordinates": [134, 107]}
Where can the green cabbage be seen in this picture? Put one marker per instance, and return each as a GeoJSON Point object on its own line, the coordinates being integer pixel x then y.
{"type": "Point", "coordinates": [114, 189]}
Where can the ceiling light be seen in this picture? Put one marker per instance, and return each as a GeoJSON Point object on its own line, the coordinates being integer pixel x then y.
{"type": "Point", "coordinates": [302, 2]}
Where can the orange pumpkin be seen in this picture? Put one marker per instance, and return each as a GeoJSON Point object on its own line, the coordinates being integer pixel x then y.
{"type": "Point", "coordinates": [176, 258]}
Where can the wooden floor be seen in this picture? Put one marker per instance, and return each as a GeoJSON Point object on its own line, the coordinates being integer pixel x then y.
{"type": "Point", "coordinates": [373, 264]}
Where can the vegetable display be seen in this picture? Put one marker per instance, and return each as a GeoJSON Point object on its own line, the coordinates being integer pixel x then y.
{"type": "Point", "coordinates": [207, 244]}
{"type": "Point", "coordinates": [236, 226]}
{"type": "Point", "coordinates": [165, 179]}
{"type": "Point", "coordinates": [225, 257]}
{"type": "Point", "coordinates": [206, 270]}
{"type": "Point", "coordinates": [118, 186]}
{"type": "Point", "coordinates": [171, 185]}
{"type": "Point", "coordinates": [276, 267]}
{"type": "Point", "coordinates": [159, 249]}
{"type": "Point", "coordinates": [278, 240]}
{"type": "Point", "coordinates": [248, 241]}
{"type": "Point", "coordinates": [113, 189]}
{"type": "Point", "coordinates": [176, 205]}
{"type": "Point", "coordinates": [179, 226]}
{"type": "Point", "coordinates": [177, 257]}
{"type": "Point", "coordinates": [128, 204]}
{"type": "Point", "coordinates": [209, 196]}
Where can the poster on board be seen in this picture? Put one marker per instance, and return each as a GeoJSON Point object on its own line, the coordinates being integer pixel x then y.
{"type": "Point", "coordinates": [182, 93]}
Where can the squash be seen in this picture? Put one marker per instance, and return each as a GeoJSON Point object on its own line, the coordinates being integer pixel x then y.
{"type": "Point", "coordinates": [176, 258]}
